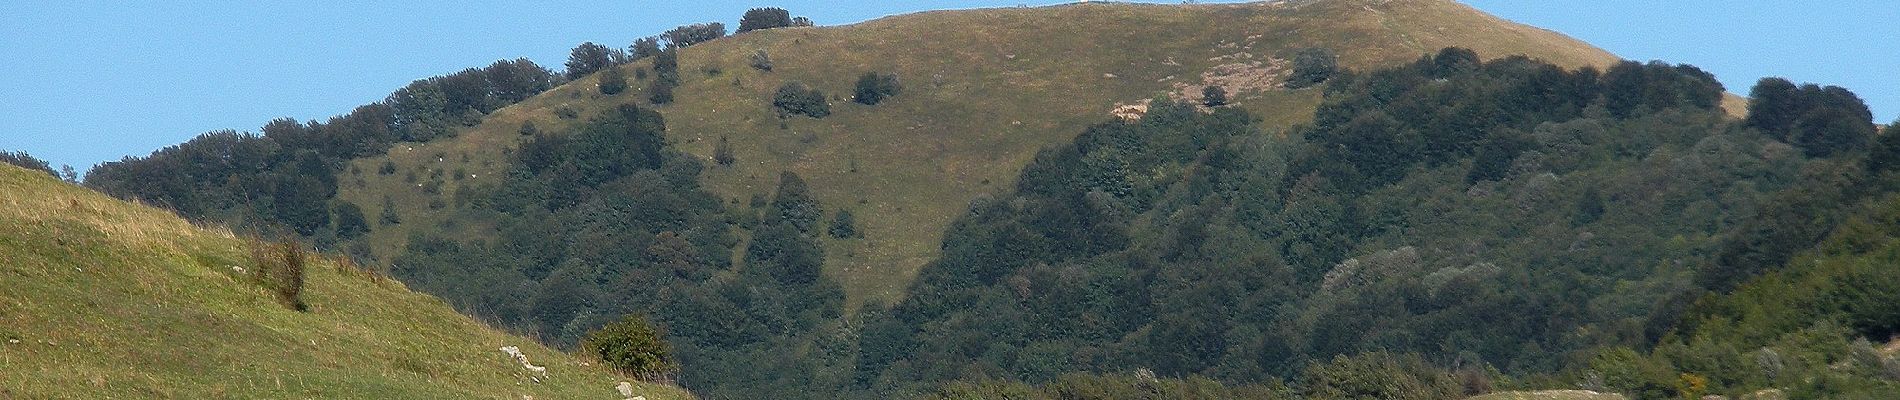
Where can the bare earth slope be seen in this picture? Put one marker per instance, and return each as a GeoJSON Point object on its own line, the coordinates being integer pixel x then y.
{"type": "Point", "coordinates": [983, 91]}
{"type": "Point", "coordinates": [105, 299]}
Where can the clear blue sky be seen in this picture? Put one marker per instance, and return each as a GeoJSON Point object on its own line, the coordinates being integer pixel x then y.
{"type": "Point", "coordinates": [98, 80]}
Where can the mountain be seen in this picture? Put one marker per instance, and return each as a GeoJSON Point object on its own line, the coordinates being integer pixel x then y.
{"type": "Point", "coordinates": [104, 298]}
{"type": "Point", "coordinates": [983, 90]}
{"type": "Point", "coordinates": [1313, 199]}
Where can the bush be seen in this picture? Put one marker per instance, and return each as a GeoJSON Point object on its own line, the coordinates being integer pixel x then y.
{"type": "Point", "coordinates": [1312, 66]}
{"type": "Point", "coordinates": [279, 267]}
{"type": "Point", "coordinates": [722, 152]}
{"type": "Point", "coordinates": [612, 81]}
{"type": "Point", "coordinates": [844, 226]}
{"type": "Point", "coordinates": [1213, 96]}
{"type": "Point", "coordinates": [764, 18]}
{"type": "Point", "coordinates": [660, 93]}
{"type": "Point", "coordinates": [796, 98]}
{"type": "Point", "coordinates": [632, 346]}
{"type": "Point", "coordinates": [874, 87]}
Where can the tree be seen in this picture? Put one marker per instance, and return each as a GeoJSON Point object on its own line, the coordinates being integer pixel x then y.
{"type": "Point", "coordinates": [350, 221]}
{"type": "Point", "coordinates": [1453, 60]}
{"type": "Point", "coordinates": [23, 160]}
{"type": "Point", "coordinates": [688, 35]}
{"type": "Point", "coordinates": [590, 57]}
{"type": "Point", "coordinates": [793, 204]}
{"type": "Point", "coordinates": [645, 47]}
{"type": "Point", "coordinates": [1312, 66]}
{"type": "Point", "coordinates": [1213, 96]}
{"type": "Point", "coordinates": [801, 21]}
{"type": "Point", "coordinates": [660, 93]}
{"type": "Point", "coordinates": [764, 18]}
{"type": "Point", "coordinates": [844, 226]}
{"type": "Point", "coordinates": [873, 88]}
{"type": "Point", "coordinates": [1773, 105]}
{"type": "Point", "coordinates": [612, 81]}
{"type": "Point", "coordinates": [632, 346]}
{"type": "Point", "coordinates": [722, 152]}
{"type": "Point", "coordinates": [796, 98]}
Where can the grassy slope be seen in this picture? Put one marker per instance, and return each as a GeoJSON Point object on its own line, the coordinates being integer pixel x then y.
{"type": "Point", "coordinates": [101, 298]}
{"type": "Point", "coordinates": [984, 90]}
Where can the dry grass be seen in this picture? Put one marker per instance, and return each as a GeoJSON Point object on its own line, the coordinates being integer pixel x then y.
{"type": "Point", "coordinates": [984, 90]}
{"type": "Point", "coordinates": [106, 299]}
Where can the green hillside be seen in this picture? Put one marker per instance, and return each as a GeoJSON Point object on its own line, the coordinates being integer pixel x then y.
{"type": "Point", "coordinates": [104, 299]}
{"type": "Point", "coordinates": [983, 91]}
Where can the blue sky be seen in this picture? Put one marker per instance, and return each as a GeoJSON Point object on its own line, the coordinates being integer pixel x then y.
{"type": "Point", "coordinates": [94, 81]}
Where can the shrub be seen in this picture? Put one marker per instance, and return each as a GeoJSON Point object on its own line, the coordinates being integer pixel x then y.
{"type": "Point", "coordinates": [764, 18]}
{"type": "Point", "coordinates": [1213, 96]}
{"type": "Point", "coordinates": [873, 88]}
{"type": "Point", "coordinates": [844, 226]}
{"type": "Point", "coordinates": [796, 98]}
{"type": "Point", "coordinates": [632, 346]}
{"type": "Point", "coordinates": [279, 267]}
{"type": "Point", "coordinates": [722, 152]}
{"type": "Point", "coordinates": [660, 93]}
{"type": "Point", "coordinates": [1312, 66]}
{"type": "Point", "coordinates": [612, 81]}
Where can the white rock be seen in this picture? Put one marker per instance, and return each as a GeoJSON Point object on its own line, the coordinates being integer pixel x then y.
{"type": "Point", "coordinates": [625, 388]}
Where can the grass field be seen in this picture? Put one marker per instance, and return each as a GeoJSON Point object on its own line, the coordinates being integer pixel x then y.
{"type": "Point", "coordinates": [104, 299]}
{"type": "Point", "coordinates": [983, 91]}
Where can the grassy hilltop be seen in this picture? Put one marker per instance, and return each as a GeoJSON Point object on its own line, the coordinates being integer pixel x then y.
{"type": "Point", "coordinates": [101, 298]}
{"type": "Point", "coordinates": [983, 91]}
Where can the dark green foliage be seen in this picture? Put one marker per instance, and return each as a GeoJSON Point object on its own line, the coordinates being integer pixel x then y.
{"type": "Point", "coordinates": [764, 18]}
{"type": "Point", "coordinates": [632, 346]}
{"type": "Point", "coordinates": [761, 61]}
{"type": "Point", "coordinates": [1452, 212]}
{"type": "Point", "coordinates": [722, 153]}
{"type": "Point", "coordinates": [1213, 96]}
{"type": "Point", "coordinates": [612, 82]}
{"type": "Point", "coordinates": [801, 21]}
{"type": "Point", "coordinates": [1078, 386]}
{"type": "Point", "coordinates": [873, 88]}
{"type": "Point", "coordinates": [645, 47]}
{"type": "Point", "coordinates": [688, 35]}
{"type": "Point", "coordinates": [792, 204]}
{"type": "Point", "coordinates": [606, 220]}
{"type": "Point", "coordinates": [660, 93]}
{"type": "Point", "coordinates": [844, 226]}
{"type": "Point", "coordinates": [350, 221]}
{"type": "Point", "coordinates": [1312, 66]}
{"type": "Point", "coordinates": [590, 57]}
{"type": "Point", "coordinates": [527, 129]}
{"type": "Point", "coordinates": [280, 267]}
{"type": "Point", "coordinates": [23, 160]}
{"type": "Point", "coordinates": [1454, 60]}
{"type": "Point", "coordinates": [1822, 121]}
{"type": "Point", "coordinates": [284, 179]}
{"type": "Point", "coordinates": [796, 98]}
{"type": "Point", "coordinates": [1631, 88]}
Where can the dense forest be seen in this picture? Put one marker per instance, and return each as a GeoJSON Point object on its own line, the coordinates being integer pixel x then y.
{"type": "Point", "coordinates": [1440, 229]}
{"type": "Point", "coordinates": [1504, 218]}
